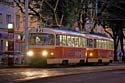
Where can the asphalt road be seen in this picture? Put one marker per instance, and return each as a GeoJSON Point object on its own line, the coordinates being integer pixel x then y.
{"type": "Point", "coordinates": [11, 75]}
{"type": "Point", "coordinates": [98, 77]}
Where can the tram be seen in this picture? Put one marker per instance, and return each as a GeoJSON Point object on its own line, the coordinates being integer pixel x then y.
{"type": "Point", "coordinates": [55, 46]}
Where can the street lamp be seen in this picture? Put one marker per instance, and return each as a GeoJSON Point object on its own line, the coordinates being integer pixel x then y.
{"type": "Point", "coordinates": [10, 26]}
{"type": "Point", "coordinates": [10, 59]}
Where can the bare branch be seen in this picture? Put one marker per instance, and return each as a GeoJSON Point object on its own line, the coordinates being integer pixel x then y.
{"type": "Point", "coordinates": [20, 7]}
{"type": "Point", "coordinates": [49, 5]}
{"type": "Point", "coordinates": [56, 5]}
{"type": "Point", "coordinates": [108, 33]}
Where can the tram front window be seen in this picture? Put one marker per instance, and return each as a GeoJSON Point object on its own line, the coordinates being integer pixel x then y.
{"type": "Point", "coordinates": [41, 39]}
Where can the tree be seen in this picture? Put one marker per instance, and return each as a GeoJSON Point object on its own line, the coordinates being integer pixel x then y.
{"type": "Point", "coordinates": [114, 16]}
{"type": "Point", "coordinates": [62, 12]}
{"type": "Point", "coordinates": [110, 13]}
{"type": "Point", "coordinates": [41, 9]}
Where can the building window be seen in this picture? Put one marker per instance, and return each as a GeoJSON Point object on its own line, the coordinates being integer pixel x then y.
{"type": "Point", "coordinates": [0, 18]}
{"type": "Point", "coordinates": [7, 2]}
{"type": "Point", "coordinates": [8, 18]}
{"type": "Point", "coordinates": [1, 45]}
{"type": "Point", "coordinates": [17, 21]}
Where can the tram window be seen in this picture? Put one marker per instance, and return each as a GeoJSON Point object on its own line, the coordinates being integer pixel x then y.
{"type": "Point", "coordinates": [90, 43]}
{"type": "Point", "coordinates": [73, 41]}
{"type": "Point", "coordinates": [76, 42]}
{"type": "Point", "coordinates": [111, 46]}
{"type": "Point", "coordinates": [32, 39]}
{"type": "Point", "coordinates": [37, 39]}
{"type": "Point", "coordinates": [103, 44]}
{"type": "Point", "coordinates": [94, 43]}
{"type": "Point", "coordinates": [69, 42]}
{"type": "Point", "coordinates": [63, 40]}
{"type": "Point", "coordinates": [106, 44]}
{"type": "Point", "coordinates": [97, 44]}
{"type": "Point", "coordinates": [41, 39]}
{"type": "Point", "coordinates": [58, 38]}
{"type": "Point", "coordinates": [51, 39]}
{"type": "Point", "coordinates": [79, 41]}
{"type": "Point", "coordinates": [82, 42]}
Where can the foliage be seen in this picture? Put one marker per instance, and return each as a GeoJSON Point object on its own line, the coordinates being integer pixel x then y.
{"type": "Point", "coordinates": [113, 16]}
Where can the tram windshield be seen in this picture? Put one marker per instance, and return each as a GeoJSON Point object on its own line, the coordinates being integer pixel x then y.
{"type": "Point", "coordinates": [41, 39]}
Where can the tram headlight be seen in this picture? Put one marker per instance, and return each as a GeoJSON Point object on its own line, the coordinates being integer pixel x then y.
{"type": "Point", "coordinates": [52, 53]}
{"type": "Point", "coordinates": [91, 54]}
{"type": "Point", "coordinates": [44, 53]}
{"type": "Point", "coordinates": [30, 53]}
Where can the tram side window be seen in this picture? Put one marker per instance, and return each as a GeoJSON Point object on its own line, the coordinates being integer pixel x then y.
{"type": "Point", "coordinates": [82, 42]}
{"type": "Point", "coordinates": [73, 41]}
{"type": "Point", "coordinates": [90, 43]}
{"type": "Point", "coordinates": [63, 40]}
{"type": "Point", "coordinates": [76, 41]}
{"type": "Point", "coordinates": [69, 42]}
{"type": "Point", "coordinates": [107, 44]}
{"type": "Point", "coordinates": [99, 44]}
{"type": "Point", "coordinates": [111, 46]}
{"type": "Point", "coordinates": [51, 40]}
{"type": "Point", "coordinates": [58, 38]}
{"type": "Point", "coordinates": [94, 43]}
{"type": "Point", "coordinates": [103, 44]}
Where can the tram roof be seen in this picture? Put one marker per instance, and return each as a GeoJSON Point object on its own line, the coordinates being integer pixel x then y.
{"type": "Point", "coordinates": [69, 32]}
{"type": "Point", "coordinates": [98, 37]}
{"type": "Point", "coordinates": [57, 31]}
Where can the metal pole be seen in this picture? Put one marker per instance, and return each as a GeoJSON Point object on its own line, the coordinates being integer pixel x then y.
{"type": "Point", "coordinates": [96, 11]}
{"type": "Point", "coordinates": [26, 24]}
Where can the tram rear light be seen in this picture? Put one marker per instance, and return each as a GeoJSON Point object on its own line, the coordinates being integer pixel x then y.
{"type": "Point", "coordinates": [44, 53]}
{"type": "Point", "coordinates": [30, 53]}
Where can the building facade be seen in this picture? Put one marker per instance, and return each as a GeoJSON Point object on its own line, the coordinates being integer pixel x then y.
{"type": "Point", "coordinates": [19, 28]}
{"type": "Point", "coordinates": [6, 17]}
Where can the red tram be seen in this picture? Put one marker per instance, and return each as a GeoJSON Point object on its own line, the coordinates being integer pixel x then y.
{"type": "Point", "coordinates": [55, 46]}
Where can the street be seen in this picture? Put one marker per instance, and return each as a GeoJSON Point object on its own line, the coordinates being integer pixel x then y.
{"type": "Point", "coordinates": [10, 75]}
{"type": "Point", "coordinates": [99, 77]}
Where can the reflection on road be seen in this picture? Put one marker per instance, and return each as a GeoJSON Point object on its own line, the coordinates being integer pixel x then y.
{"type": "Point", "coordinates": [19, 74]}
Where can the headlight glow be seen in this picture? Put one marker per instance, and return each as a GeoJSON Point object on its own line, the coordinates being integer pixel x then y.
{"type": "Point", "coordinates": [52, 53]}
{"type": "Point", "coordinates": [91, 54]}
{"type": "Point", "coordinates": [30, 53]}
{"type": "Point", "coordinates": [44, 53]}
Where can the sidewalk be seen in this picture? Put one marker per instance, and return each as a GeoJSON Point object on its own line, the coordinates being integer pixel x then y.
{"type": "Point", "coordinates": [13, 66]}
{"type": "Point", "coordinates": [26, 66]}
{"type": "Point", "coordinates": [118, 62]}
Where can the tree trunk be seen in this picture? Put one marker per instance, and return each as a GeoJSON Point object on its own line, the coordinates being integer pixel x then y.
{"type": "Point", "coordinates": [115, 50]}
{"type": "Point", "coordinates": [121, 43]}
